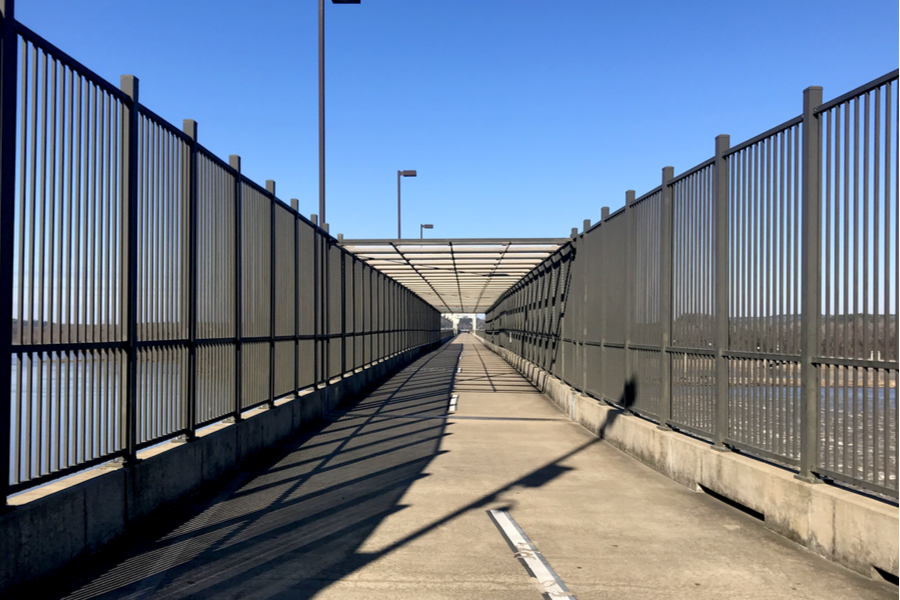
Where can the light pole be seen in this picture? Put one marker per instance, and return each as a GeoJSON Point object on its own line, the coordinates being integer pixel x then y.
{"type": "Point", "coordinates": [421, 227]}
{"type": "Point", "coordinates": [322, 103]}
{"type": "Point", "coordinates": [399, 175]}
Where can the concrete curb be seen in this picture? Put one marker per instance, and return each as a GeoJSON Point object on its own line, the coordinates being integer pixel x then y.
{"type": "Point", "coordinates": [856, 531]}
{"type": "Point", "coordinates": [49, 527]}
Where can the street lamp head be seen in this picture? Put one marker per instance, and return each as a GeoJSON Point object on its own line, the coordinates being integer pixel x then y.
{"type": "Point", "coordinates": [345, 1]}
{"type": "Point", "coordinates": [427, 226]}
{"type": "Point", "coordinates": [407, 173]}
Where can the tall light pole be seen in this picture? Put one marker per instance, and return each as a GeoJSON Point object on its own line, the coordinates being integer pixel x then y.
{"type": "Point", "coordinates": [399, 175]}
{"type": "Point", "coordinates": [322, 103]}
{"type": "Point", "coordinates": [421, 227]}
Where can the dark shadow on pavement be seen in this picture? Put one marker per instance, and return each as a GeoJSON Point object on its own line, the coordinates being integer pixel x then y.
{"type": "Point", "coordinates": [293, 525]}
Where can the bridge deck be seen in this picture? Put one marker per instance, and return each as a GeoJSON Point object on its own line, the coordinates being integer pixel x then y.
{"type": "Point", "coordinates": [390, 501]}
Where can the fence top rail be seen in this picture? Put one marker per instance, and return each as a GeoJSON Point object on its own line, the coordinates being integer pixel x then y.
{"type": "Point", "coordinates": [616, 213]}
{"type": "Point", "coordinates": [681, 177]}
{"type": "Point", "coordinates": [256, 187]}
{"type": "Point", "coordinates": [207, 154]}
{"type": "Point", "coordinates": [649, 195]}
{"type": "Point", "coordinates": [149, 114]}
{"type": "Point", "coordinates": [30, 36]}
{"type": "Point", "coordinates": [764, 135]}
{"type": "Point", "coordinates": [868, 87]}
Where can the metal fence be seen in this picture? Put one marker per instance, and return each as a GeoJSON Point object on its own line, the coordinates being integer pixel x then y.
{"type": "Point", "coordinates": [751, 300]}
{"type": "Point", "coordinates": [153, 288]}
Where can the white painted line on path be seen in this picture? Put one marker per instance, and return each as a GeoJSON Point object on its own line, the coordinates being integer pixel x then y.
{"type": "Point", "coordinates": [453, 400]}
{"type": "Point", "coordinates": [527, 552]}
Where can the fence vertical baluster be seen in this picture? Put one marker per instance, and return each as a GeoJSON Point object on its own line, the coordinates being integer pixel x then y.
{"type": "Point", "coordinates": [810, 274]}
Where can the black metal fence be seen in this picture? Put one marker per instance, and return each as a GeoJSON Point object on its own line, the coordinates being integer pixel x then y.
{"type": "Point", "coordinates": [751, 300]}
{"type": "Point", "coordinates": [153, 289]}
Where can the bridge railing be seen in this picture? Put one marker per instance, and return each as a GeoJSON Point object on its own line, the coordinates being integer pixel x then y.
{"type": "Point", "coordinates": [751, 300]}
{"type": "Point", "coordinates": [152, 288]}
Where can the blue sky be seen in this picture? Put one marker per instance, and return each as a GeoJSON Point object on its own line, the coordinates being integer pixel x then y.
{"type": "Point", "coordinates": [522, 117]}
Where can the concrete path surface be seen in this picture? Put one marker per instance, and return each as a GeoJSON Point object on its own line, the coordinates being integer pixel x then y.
{"type": "Point", "coordinates": [391, 500]}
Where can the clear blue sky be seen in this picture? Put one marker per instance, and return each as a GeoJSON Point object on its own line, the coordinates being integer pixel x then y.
{"type": "Point", "coordinates": [522, 117]}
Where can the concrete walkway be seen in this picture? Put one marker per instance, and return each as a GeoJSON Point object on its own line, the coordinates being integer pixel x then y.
{"type": "Point", "coordinates": [391, 500]}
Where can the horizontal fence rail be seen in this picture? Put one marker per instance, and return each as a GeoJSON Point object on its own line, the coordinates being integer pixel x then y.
{"type": "Point", "coordinates": [153, 289]}
{"type": "Point", "coordinates": [751, 301]}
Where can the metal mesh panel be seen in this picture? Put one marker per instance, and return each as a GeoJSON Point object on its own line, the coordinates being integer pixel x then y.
{"type": "Point", "coordinates": [65, 410]}
{"type": "Point", "coordinates": [285, 256]}
{"type": "Point", "coordinates": [254, 374]}
{"type": "Point", "coordinates": [859, 229]}
{"type": "Point", "coordinates": [646, 382]}
{"type": "Point", "coordinates": [858, 425]}
{"type": "Point", "coordinates": [693, 276]}
{"type": "Point", "coordinates": [594, 381]}
{"type": "Point", "coordinates": [694, 392]}
{"type": "Point", "coordinates": [307, 266]}
{"type": "Point", "coordinates": [764, 245]}
{"type": "Point", "coordinates": [216, 282]}
{"type": "Point", "coordinates": [335, 354]}
{"type": "Point", "coordinates": [163, 217]}
{"type": "Point", "coordinates": [284, 368]}
{"type": "Point", "coordinates": [615, 237]}
{"type": "Point", "coordinates": [162, 390]}
{"type": "Point", "coordinates": [645, 315]}
{"type": "Point", "coordinates": [614, 375]}
{"type": "Point", "coordinates": [215, 381]}
{"type": "Point", "coordinates": [347, 313]}
{"type": "Point", "coordinates": [68, 230]}
{"type": "Point", "coordinates": [764, 406]}
{"type": "Point", "coordinates": [256, 224]}
{"type": "Point", "coordinates": [306, 363]}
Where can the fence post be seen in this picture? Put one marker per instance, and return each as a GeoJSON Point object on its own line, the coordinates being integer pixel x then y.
{"type": "Point", "coordinates": [629, 385]}
{"type": "Point", "coordinates": [189, 126]}
{"type": "Point", "coordinates": [295, 204]}
{"type": "Point", "coordinates": [316, 290]}
{"type": "Point", "coordinates": [343, 311]}
{"type": "Point", "coordinates": [601, 304]}
{"type": "Point", "coordinates": [810, 275]}
{"type": "Point", "coordinates": [130, 85]}
{"type": "Point", "coordinates": [721, 257]}
{"type": "Point", "coordinates": [235, 162]}
{"type": "Point", "coordinates": [356, 338]}
{"type": "Point", "coordinates": [270, 188]}
{"type": "Point", "coordinates": [326, 306]}
{"type": "Point", "coordinates": [584, 306]}
{"type": "Point", "coordinates": [665, 299]}
{"type": "Point", "coordinates": [8, 78]}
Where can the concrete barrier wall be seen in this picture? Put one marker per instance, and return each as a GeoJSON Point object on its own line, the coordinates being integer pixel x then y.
{"type": "Point", "coordinates": [48, 528]}
{"type": "Point", "coordinates": [856, 531]}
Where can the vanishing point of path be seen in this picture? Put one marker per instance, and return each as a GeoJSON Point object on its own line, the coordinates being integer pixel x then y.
{"type": "Point", "coordinates": [390, 501]}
